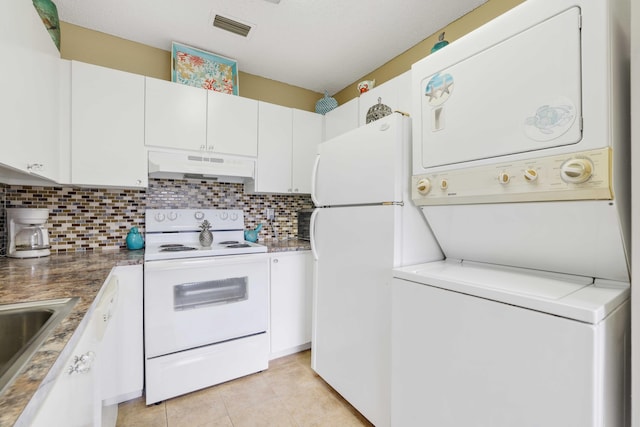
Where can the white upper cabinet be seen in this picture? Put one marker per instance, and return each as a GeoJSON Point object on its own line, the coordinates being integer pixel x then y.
{"type": "Point", "coordinates": [287, 145]}
{"type": "Point", "coordinates": [273, 171]}
{"type": "Point", "coordinates": [175, 115]}
{"type": "Point", "coordinates": [107, 127]}
{"type": "Point", "coordinates": [29, 90]}
{"type": "Point", "coordinates": [341, 119]}
{"type": "Point", "coordinates": [232, 124]}
{"type": "Point", "coordinates": [395, 93]}
{"type": "Point", "coordinates": [307, 134]}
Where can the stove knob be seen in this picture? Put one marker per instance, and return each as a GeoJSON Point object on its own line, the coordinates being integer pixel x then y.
{"type": "Point", "coordinates": [224, 216]}
{"type": "Point", "coordinates": [172, 216]}
{"type": "Point", "coordinates": [234, 216]}
{"type": "Point", "coordinates": [159, 217]}
{"type": "Point", "coordinates": [199, 215]}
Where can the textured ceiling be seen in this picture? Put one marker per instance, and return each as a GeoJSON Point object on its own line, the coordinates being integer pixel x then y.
{"type": "Point", "coordinates": [314, 44]}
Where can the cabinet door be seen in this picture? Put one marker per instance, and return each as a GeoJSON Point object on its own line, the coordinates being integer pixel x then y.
{"type": "Point", "coordinates": [107, 127]}
{"type": "Point", "coordinates": [73, 399]}
{"type": "Point", "coordinates": [122, 360]}
{"type": "Point", "coordinates": [341, 119]}
{"type": "Point", "coordinates": [291, 293]}
{"type": "Point", "coordinates": [175, 115]}
{"type": "Point", "coordinates": [232, 124]}
{"type": "Point", "coordinates": [307, 134]}
{"type": "Point", "coordinates": [29, 92]}
{"type": "Point", "coordinates": [273, 171]}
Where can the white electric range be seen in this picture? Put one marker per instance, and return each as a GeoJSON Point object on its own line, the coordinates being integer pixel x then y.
{"type": "Point", "coordinates": [205, 308]}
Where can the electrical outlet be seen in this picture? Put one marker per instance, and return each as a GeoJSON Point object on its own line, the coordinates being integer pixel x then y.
{"type": "Point", "coordinates": [269, 213]}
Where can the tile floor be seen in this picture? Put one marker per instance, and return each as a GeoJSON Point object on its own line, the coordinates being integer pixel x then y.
{"type": "Point", "coordinates": [289, 393]}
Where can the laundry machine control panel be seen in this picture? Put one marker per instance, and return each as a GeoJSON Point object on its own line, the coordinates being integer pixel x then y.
{"type": "Point", "coordinates": [577, 176]}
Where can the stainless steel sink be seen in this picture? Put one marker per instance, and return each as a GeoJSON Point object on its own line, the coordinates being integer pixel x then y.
{"type": "Point", "coordinates": [23, 328]}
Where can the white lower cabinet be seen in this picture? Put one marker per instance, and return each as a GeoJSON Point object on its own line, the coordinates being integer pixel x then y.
{"type": "Point", "coordinates": [73, 400]}
{"type": "Point", "coordinates": [122, 362]}
{"type": "Point", "coordinates": [291, 302]}
{"type": "Point", "coordinates": [105, 365]}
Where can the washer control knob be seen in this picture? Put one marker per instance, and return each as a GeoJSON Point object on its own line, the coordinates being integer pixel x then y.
{"type": "Point", "coordinates": [424, 186]}
{"type": "Point", "coordinates": [504, 178]}
{"type": "Point", "coordinates": [199, 215]}
{"type": "Point", "coordinates": [444, 184]}
{"type": "Point", "coordinates": [530, 175]}
{"type": "Point", "coordinates": [576, 170]}
{"type": "Point", "coordinates": [172, 216]}
{"type": "Point", "coordinates": [159, 217]}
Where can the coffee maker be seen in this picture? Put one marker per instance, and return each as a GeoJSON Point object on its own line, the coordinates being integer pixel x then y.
{"type": "Point", "coordinates": [27, 234]}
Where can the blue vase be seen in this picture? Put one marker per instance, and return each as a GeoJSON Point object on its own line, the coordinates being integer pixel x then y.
{"type": "Point", "coordinates": [134, 239]}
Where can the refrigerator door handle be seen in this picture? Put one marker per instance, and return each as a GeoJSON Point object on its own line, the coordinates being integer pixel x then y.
{"type": "Point", "coordinates": [314, 181]}
{"type": "Point", "coordinates": [312, 233]}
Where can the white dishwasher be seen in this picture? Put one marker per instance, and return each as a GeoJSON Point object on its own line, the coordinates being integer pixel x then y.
{"type": "Point", "coordinates": [507, 347]}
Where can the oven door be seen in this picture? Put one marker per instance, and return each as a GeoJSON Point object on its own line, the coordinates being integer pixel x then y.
{"type": "Point", "coordinates": [194, 302]}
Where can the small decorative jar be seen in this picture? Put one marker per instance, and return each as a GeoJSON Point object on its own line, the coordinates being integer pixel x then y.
{"type": "Point", "coordinates": [205, 237]}
{"type": "Point", "coordinates": [134, 239]}
{"type": "Point", "coordinates": [326, 104]}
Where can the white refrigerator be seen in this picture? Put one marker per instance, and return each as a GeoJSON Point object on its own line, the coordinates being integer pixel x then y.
{"type": "Point", "coordinates": [365, 224]}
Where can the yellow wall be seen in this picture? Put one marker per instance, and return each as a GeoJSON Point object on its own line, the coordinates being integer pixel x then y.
{"type": "Point", "coordinates": [109, 51]}
{"type": "Point", "coordinates": [453, 31]}
{"type": "Point", "coordinates": [102, 49]}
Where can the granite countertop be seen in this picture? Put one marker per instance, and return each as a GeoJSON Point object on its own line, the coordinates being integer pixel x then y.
{"type": "Point", "coordinates": [286, 245]}
{"type": "Point", "coordinates": [80, 275]}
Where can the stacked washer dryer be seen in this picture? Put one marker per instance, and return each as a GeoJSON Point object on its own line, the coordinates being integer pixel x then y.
{"type": "Point", "coordinates": [521, 168]}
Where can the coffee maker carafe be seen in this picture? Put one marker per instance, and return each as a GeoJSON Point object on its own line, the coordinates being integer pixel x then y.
{"type": "Point", "coordinates": [27, 233]}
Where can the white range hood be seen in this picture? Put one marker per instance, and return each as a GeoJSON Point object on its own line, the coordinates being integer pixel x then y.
{"type": "Point", "coordinates": [179, 165]}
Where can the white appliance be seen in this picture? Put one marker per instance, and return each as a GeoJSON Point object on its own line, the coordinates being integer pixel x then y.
{"type": "Point", "coordinates": [365, 225]}
{"type": "Point", "coordinates": [27, 233]}
{"type": "Point", "coordinates": [205, 309]}
{"type": "Point", "coordinates": [520, 162]}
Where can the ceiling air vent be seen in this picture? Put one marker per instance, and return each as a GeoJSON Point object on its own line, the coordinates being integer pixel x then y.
{"type": "Point", "coordinates": [232, 26]}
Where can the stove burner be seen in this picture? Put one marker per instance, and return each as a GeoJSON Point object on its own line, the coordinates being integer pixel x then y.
{"type": "Point", "coordinates": [176, 248]}
{"type": "Point", "coordinates": [171, 245]}
{"type": "Point", "coordinates": [229, 242]}
{"type": "Point", "coordinates": [239, 245]}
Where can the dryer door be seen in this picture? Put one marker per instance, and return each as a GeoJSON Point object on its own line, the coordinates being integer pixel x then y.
{"type": "Point", "coordinates": [522, 94]}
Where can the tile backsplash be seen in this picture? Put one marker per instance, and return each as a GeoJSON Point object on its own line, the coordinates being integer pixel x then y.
{"type": "Point", "coordinates": [83, 219]}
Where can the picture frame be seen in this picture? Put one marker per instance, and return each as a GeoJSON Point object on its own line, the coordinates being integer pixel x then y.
{"type": "Point", "coordinates": [196, 67]}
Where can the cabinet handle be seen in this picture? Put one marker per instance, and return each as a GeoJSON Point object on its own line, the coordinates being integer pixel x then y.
{"type": "Point", "coordinates": [82, 364]}
{"type": "Point", "coordinates": [138, 181]}
{"type": "Point", "coordinates": [288, 190]}
{"type": "Point", "coordinates": [35, 167]}
{"type": "Point", "coordinates": [202, 147]}
{"type": "Point", "coordinates": [295, 190]}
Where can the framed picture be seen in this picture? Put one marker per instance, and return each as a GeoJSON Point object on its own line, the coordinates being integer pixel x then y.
{"type": "Point", "coordinates": [195, 67]}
